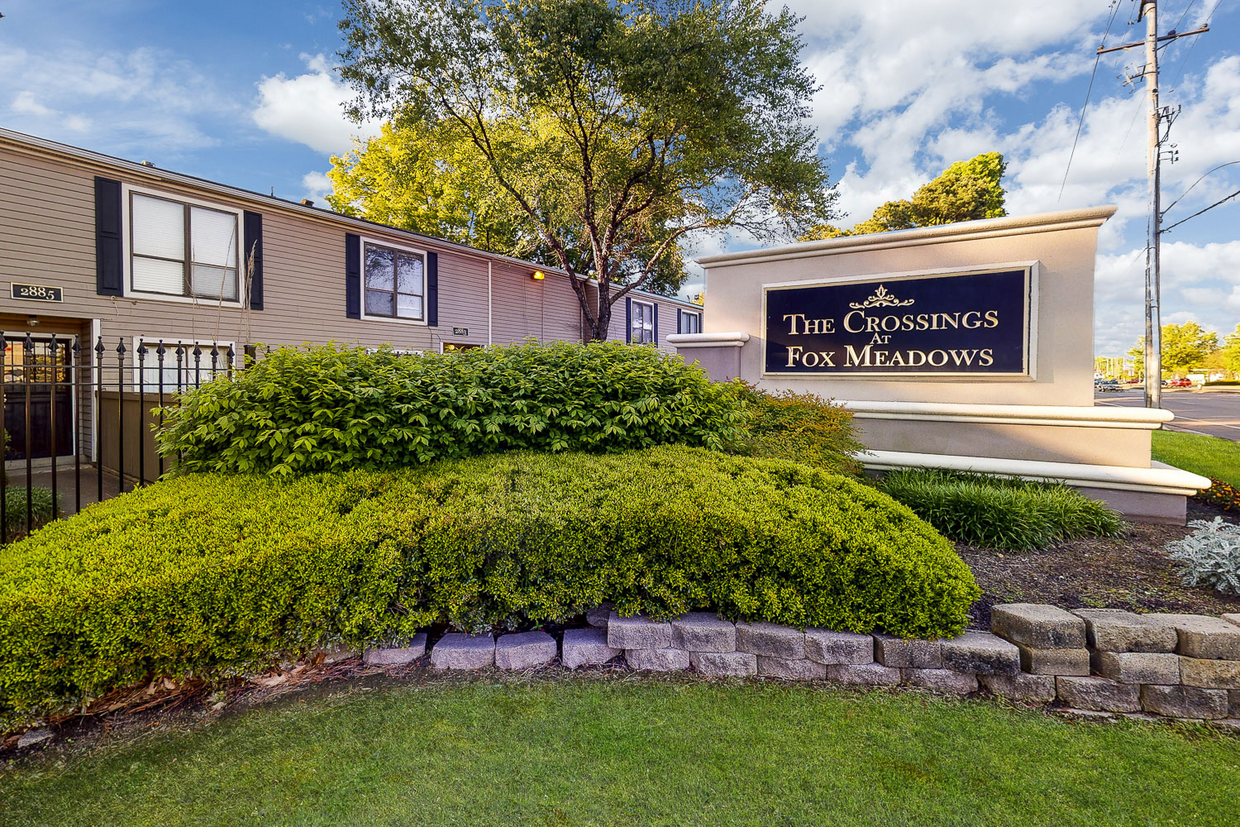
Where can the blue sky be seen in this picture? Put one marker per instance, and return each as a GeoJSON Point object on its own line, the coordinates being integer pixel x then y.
{"type": "Point", "coordinates": [244, 93]}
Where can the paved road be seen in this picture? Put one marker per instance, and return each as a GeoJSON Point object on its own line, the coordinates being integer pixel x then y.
{"type": "Point", "coordinates": [1212, 413]}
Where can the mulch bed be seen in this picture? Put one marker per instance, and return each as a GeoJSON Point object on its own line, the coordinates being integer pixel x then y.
{"type": "Point", "coordinates": [1129, 572]}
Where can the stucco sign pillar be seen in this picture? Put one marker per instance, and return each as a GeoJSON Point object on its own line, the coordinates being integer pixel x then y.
{"type": "Point", "coordinates": [967, 346]}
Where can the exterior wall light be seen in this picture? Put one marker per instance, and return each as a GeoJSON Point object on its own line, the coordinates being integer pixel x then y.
{"type": "Point", "coordinates": [538, 275]}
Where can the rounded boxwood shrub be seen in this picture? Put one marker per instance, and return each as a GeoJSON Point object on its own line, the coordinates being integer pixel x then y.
{"type": "Point", "coordinates": [330, 408]}
{"type": "Point", "coordinates": [207, 573]}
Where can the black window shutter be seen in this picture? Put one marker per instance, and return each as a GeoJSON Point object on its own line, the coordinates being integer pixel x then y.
{"type": "Point", "coordinates": [628, 319]}
{"type": "Point", "coordinates": [680, 323]}
{"type": "Point", "coordinates": [432, 289]}
{"type": "Point", "coordinates": [253, 234]}
{"type": "Point", "coordinates": [655, 307]}
{"type": "Point", "coordinates": [352, 276]}
{"type": "Point", "coordinates": [109, 267]}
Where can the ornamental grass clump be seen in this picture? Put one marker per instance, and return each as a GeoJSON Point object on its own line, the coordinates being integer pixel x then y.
{"type": "Point", "coordinates": [331, 408]}
{"type": "Point", "coordinates": [204, 574]}
{"type": "Point", "coordinates": [998, 512]}
{"type": "Point", "coordinates": [1210, 556]}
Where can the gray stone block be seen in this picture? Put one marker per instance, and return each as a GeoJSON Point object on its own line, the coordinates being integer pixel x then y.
{"type": "Point", "coordinates": [1138, 667]}
{"type": "Point", "coordinates": [981, 653]}
{"type": "Point", "coordinates": [940, 680]}
{"type": "Point", "coordinates": [703, 632]}
{"type": "Point", "coordinates": [599, 615]}
{"type": "Point", "coordinates": [863, 674]}
{"type": "Point", "coordinates": [908, 654]}
{"type": "Point", "coordinates": [1071, 662]}
{"type": "Point", "coordinates": [1228, 724]}
{"type": "Point", "coordinates": [770, 640]}
{"type": "Point", "coordinates": [1098, 694]}
{"type": "Point", "coordinates": [460, 651]}
{"type": "Point", "coordinates": [826, 646]}
{"type": "Point", "coordinates": [637, 632]}
{"type": "Point", "coordinates": [1211, 674]}
{"type": "Point", "coordinates": [34, 737]}
{"type": "Point", "coordinates": [1033, 688]}
{"type": "Point", "coordinates": [1234, 703]}
{"type": "Point", "coordinates": [657, 660]}
{"type": "Point", "coordinates": [1117, 630]}
{"type": "Point", "coordinates": [397, 655]}
{"type": "Point", "coordinates": [524, 650]}
{"type": "Point", "coordinates": [1201, 636]}
{"type": "Point", "coordinates": [586, 647]}
{"type": "Point", "coordinates": [1038, 626]}
{"type": "Point", "coordinates": [791, 669]}
{"type": "Point", "coordinates": [1184, 702]}
{"type": "Point", "coordinates": [1087, 714]}
{"type": "Point", "coordinates": [1232, 617]}
{"type": "Point", "coordinates": [724, 664]}
{"type": "Point", "coordinates": [333, 653]}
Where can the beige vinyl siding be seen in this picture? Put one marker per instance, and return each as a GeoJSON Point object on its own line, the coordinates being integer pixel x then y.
{"type": "Point", "coordinates": [47, 236]}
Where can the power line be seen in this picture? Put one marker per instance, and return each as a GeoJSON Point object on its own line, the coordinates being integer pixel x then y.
{"type": "Point", "coordinates": [1195, 183]}
{"type": "Point", "coordinates": [1081, 121]}
{"type": "Point", "coordinates": [1199, 212]}
{"type": "Point", "coordinates": [1193, 45]}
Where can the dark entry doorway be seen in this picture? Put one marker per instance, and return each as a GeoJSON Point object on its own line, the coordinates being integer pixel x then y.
{"type": "Point", "coordinates": [38, 396]}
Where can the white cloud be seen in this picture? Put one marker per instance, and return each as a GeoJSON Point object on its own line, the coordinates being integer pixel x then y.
{"type": "Point", "coordinates": [309, 108]}
{"type": "Point", "coordinates": [1200, 282]}
{"type": "Point", "coordinates": [142, 98]}
{"type": "Point", "coordinates": [316, 186]}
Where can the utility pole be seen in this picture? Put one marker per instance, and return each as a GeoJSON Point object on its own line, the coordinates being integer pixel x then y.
{"type": "Point", "coordinates": [1153, 285]}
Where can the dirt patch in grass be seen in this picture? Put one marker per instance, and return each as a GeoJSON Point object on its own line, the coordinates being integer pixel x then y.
{"type": "Point", "coordinates": [1128, 572]}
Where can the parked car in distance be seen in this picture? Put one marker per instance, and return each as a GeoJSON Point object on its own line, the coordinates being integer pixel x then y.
{"type": "Point", "coordinates": [1106, 385]}
{"type": "Point", "coordinates": [1182, 382]}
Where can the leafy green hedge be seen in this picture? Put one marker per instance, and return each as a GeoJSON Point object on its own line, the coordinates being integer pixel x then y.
{"type": "Point", "coordinates": [801, 427]}
{"type": "Point", "coordinates": [205, 573]}
{"type": "Point", "coordinates": [330, 408]}
{"type": "Point", "coordinates": [998, 512]}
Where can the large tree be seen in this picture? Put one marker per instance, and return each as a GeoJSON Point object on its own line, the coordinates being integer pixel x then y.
{"type": "Point", "coordinates": [1231, 351]}
{"type": "Point", "coordinates": [965, 191]}
{"type": "Point", "coordinates": [616, 128]}
{"type": "Point", "coordinates": [1184, 346]}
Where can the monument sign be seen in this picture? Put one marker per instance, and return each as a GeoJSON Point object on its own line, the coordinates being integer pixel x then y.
{"type": "Point", "coordinates": [956, 324]}
{"type": "Point", "coordinates": [966, 346]}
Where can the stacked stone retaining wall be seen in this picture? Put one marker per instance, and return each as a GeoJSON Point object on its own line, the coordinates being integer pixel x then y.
{"type": "Point", "coordinates": [1089, 661]}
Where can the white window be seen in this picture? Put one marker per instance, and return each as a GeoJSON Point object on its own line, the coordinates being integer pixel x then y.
{"type": "Point", "coordinates": [183, 364]}
{"type": "Point", "coordinates": [183, 249]}
{"type": "Point", "coordinates": [690, 322]}
{"type": "Point", "coordinates": [395, 283]}
{"type": "Point", "coordinates": [641, 323]}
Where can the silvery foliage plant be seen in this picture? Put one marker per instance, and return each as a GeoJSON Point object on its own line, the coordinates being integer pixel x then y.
{"type": "Point", "coordinates": [1210, 555]}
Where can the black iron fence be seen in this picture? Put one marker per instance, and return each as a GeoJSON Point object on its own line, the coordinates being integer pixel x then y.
{"type": "Point", "coordinates": [77, 420]}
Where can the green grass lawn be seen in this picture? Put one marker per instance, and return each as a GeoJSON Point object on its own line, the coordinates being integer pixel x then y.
{"type": "Point", "coordinates": [590, 751]}
{"type": "Point", "coordinates": [1205, 455]}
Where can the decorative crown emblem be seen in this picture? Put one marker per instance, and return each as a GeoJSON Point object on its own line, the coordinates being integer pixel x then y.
{"type": "Point", "coordinates": [881, 298]}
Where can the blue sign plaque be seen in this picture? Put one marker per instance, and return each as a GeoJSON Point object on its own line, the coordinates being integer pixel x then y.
{"type": "Point", "coordinates": [941, 325]}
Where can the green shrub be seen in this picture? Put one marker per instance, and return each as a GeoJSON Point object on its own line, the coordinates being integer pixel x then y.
{"type": "Point", "coordinates": [996, 512]}
{"type": "Point", "coordinates": [331, 408]}
{"type": "Point", "coordinates": [800, 427]}
{"type": "Point", "coordinates": [205, 573]}
{"type": "Point", "coordinates": [42, 509]}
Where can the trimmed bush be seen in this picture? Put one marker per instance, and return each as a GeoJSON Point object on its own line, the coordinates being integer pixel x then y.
{"type": "Point", "coordinates": [800, 427]}
{"type": "Point", "coordinates": [331, 408]}
{"type": "Point", "coordinates": [206, 573]}
{"type": "Point", "coordinates": [997, 512]}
